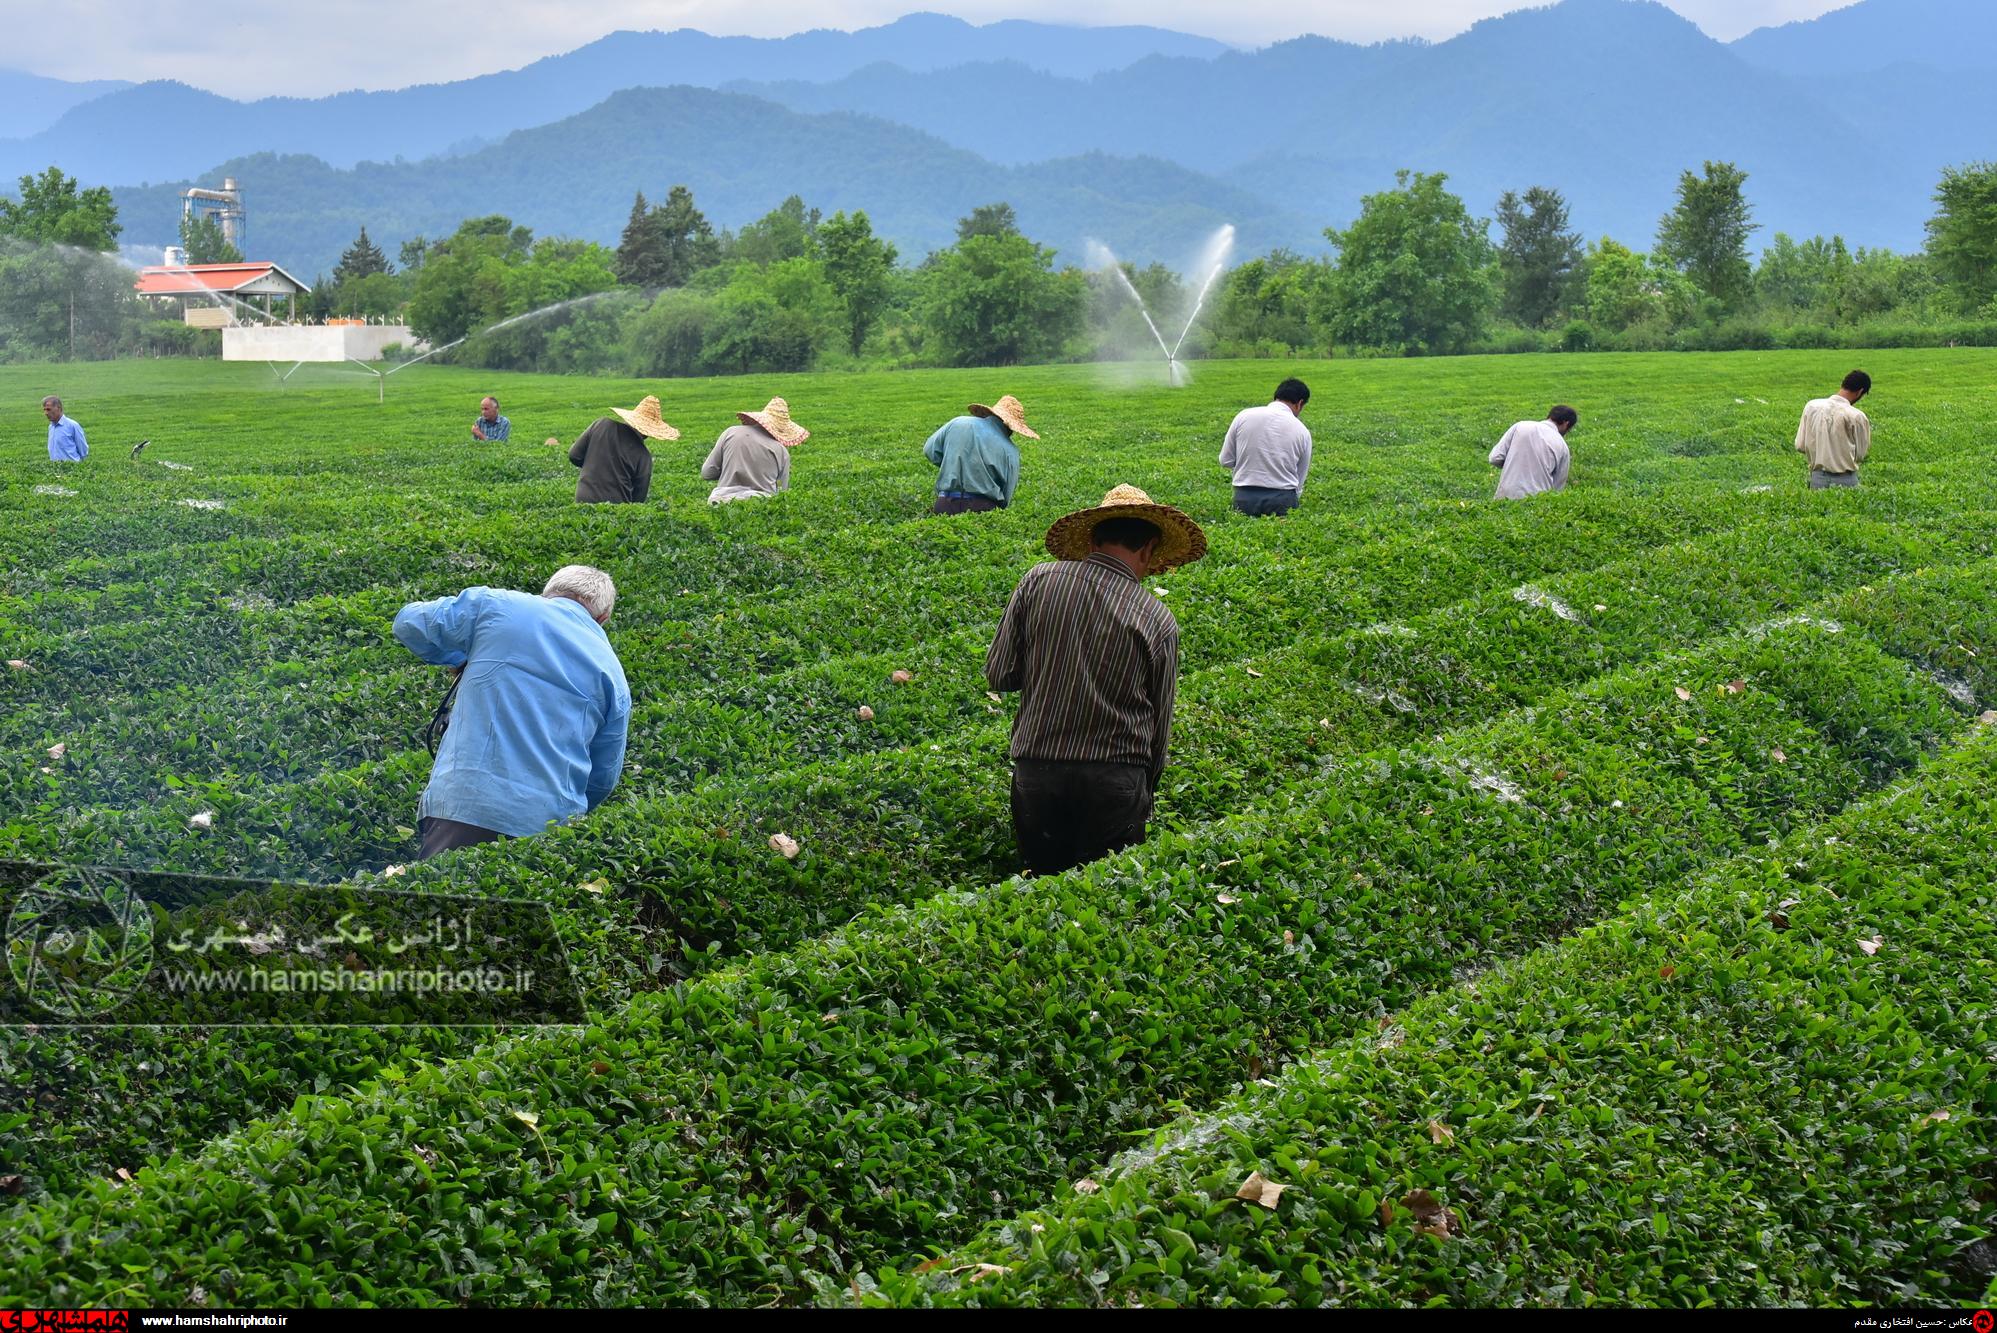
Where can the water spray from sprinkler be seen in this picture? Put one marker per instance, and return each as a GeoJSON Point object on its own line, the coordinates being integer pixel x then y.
{"type": "Point", "coordinates": [1213, 261]}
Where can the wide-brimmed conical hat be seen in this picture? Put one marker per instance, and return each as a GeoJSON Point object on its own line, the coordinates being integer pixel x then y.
{"type": "Point", "coordinates": [1181, 544]}
{"type": "Point", "coordinates": [775, 419]}
{"type": "Point", "coordinates": [1009, 410]}
{"type": "Point", "coordinates": [645, 419]}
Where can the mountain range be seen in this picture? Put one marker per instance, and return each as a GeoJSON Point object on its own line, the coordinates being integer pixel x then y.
{"type": "Point", "coordinates": [1144, 138]}
{"type": "Point", "coordinates": [165, 130]}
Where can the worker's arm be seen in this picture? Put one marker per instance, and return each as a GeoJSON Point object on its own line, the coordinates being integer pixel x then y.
{"type": "Point", "coordinates": [580, 449]}
{"type": "Point", "coordinates": [1008, 475]}
{"type": "Point", "coordinates": [933, 450]}
{"type": "Point", "coordinates": [1304, 464]}
{"type": "Point", "coordinates": [1228, 451]}
{"type": "Point", "coordinates": [606, 752]}
{"type": "Point", "coordinates": [82, 442]}
{"type": "Point", "coordinates": [1504, 449]}
{"type": "Point", "coordinates": [711, 469]}
{"type": "Point", "coordinates": [1560, 467]}
{"type": "Point", "coordinates": [1164, 694]}
{"type": "Point", "coordinates": [440, 632]}
{"type": "Point", "coordinates": [1005, 663]}
{"type": "Point", "coordinates": [1802, 433]}
{"type": "Point", "coordinates": [641, 479]}
{"type": "Point", "coordinates": [478, 430]}
{"type": "Point", "coordinates": [1861, 436]}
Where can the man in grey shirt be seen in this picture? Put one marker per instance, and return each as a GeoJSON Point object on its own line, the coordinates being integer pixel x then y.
{"type": "Point", "coordinates": [1268, 449]}
{"type": "Point", "coordinates": [1534, 455]}
{"type": "Point", "coordinates": [753, 459]}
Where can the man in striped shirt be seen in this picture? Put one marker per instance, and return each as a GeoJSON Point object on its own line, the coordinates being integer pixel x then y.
{"type": "Point", "coordinates": [1094, 656]}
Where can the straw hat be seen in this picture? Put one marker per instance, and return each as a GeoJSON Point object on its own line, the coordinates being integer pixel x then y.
{"type": "Point", "coordinates": [645, 419]}
{"type": "Point", "coordinates": [776, 420]}
{"type": "Point", "coordinates": [1181, 544]}
{"type": "Point", "coordinates": [1009, 410]}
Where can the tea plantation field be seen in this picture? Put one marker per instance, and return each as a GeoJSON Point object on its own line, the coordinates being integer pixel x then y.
{"type": "Point", "coordinates": [1586, 900]}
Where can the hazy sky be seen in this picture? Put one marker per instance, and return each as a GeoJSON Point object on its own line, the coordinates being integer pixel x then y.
{"type": "Point", "coordinates": [256, 47]}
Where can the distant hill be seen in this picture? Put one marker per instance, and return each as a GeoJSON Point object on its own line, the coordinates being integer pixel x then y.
{"type": "Point", "coordinates": [1607, 100]}
{"type": "Point", "coordinates": [30, 103]}
{"type": "Point", "coordinates": [164, 131]}
{"type": "Point", "coordinates": [741, 156]}
{"type": "Point", "coordinates": [1953, 35]}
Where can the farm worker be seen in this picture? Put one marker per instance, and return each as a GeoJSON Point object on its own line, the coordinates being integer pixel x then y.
{"type": "Point", "coordinates": [1535, 456]}
{"type": "Point", "coordinates": [537, 733]}
{"type": "Point", "coordinates": [490, 425]}
{"type": "Point", "coordinates": [1095, 659]}
{"type": "Point", "coordinates": [616, 465]}
{"type": "Point", "coordinates": [1834, 434]}
{"type": "Point", "coordinates": [976, 458]}
{"type": "Point", "coordinates": [66, 442]}
{"type": "Point", "coordinates": [753, 458]}
{"type": "Point", "coordinates": [1268, 449]}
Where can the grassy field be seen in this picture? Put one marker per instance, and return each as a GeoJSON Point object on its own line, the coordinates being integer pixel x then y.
{"type": "Point", "coordinates": [1574, 901]}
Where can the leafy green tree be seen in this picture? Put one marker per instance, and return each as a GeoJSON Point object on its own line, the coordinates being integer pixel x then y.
{"type": "Point", "coordinates": [686, 238]}
{"type": "Point", "coordinates": [788, 231]}
{"type": "Point", "coordinates": [1539, 258]}
{"type": "Point", "coordinates": [52, 211]}
{"type": "Point", "coordinates": [1962, 236]}
{"type": "Point", "coordinates": [988, 220]}
{"type": "Point", "coordinates": [641, 250]}
{"type": "Point", "coordinates": [1705, 235]}
{"type": "Point", "coordinates": [774, 317]}
{"type": "Point", "coordinates": [65, 303]}
{"type": "Point", "coordinates": [1267, 304]}
{"type": "Point", "coordinates": [1620, 290]}
{"type": "Point", "coordinates": [996, 300]}
{"type": "Point", "coordinates": [860, 267]}
{"type": "Point", "coordinates": [411, 253]}
{"type": "Point", "coordinates": [205, 242]}
{"type": "Point", "coordinates": [376, 295]}
{"type": "Point", "coordinates": [362, 259]}
{"type": "Point", "coordinates": [1415, 271]}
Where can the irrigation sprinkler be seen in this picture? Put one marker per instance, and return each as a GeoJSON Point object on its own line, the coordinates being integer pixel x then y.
{"type": "Point", "coordinates": [1218, 247]}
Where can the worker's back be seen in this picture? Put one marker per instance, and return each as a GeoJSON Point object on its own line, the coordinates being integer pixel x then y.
{"type": "Point", "coordinates": [537, 735]}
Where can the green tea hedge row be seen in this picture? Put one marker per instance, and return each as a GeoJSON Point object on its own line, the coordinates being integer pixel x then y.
{"type": "Point", "coordinates": [885, 1088]}
{"type": "Point", "coordinates": [1771, 1089]}
{"type": "Point", "coordinates": [695, 875]}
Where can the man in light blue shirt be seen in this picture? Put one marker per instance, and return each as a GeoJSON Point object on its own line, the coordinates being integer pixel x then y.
{"type": "Point", "coordinates": [490, 425]}
{"type": "Point", "coordinates": [976, 459]}
{"type": "Point", "coordinates": [537, 734]}
{"type": "Point", "coordinates": [66, 442]}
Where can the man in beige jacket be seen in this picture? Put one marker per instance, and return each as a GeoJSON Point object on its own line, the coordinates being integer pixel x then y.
{"type": "Point", "coordinates": [1835, 435]}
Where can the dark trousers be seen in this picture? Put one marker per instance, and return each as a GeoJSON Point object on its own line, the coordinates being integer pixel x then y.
{"type": "Point", "coordinates": [1264, 501]}
{"type": "Point", "coordinates": [447, 835]}
{"type": "Point", "coordinates": [1066, 815]}
{"type": "Point", "coordinates": [1821, 480]}
{"type": "Point", "coordinates": [965, 504]}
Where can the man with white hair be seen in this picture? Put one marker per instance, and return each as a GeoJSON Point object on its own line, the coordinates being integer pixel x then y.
{"type": "Point", "coordinates": [66, 442]}
{"type": "Point", "coordinates": [536, 736]}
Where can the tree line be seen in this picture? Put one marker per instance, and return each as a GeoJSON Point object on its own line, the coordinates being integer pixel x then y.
{"type": "Point", "coordinates": [1414, 274]}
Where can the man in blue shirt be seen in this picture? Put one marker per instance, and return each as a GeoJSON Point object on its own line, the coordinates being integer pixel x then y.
{"type": "Point", "coordinates": [976, 459]}
{"type": "Point", "coordinates": [537, 734]}
{"type": "Point", "coordinates": [66, 442]}
{"type": "Point", "coordinates": [490, 425]}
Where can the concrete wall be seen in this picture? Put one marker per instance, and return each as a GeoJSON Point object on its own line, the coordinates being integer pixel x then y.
{"type": "Point", "coordinates": [311, 342]}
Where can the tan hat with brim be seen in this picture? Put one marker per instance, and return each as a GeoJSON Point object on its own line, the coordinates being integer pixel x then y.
{"type": "Point", "coordinates": [775, 419]}
{"type": "Point", "coordinates": [1009, 410]}
{"type": "Point", "coordinates": [645, 419]}
{"type": "Point", "coordinates": [1181, 541]}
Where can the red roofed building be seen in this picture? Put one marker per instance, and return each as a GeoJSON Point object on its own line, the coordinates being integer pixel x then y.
{"type": "Point", "coordinates": [211, 295]}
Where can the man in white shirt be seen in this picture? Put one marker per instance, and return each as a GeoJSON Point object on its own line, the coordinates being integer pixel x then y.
{"type": "Point", "coordinates": [1835, 435]}
{"type": "Point", "coordinates": [1534, 455]}
{"type": "Point", "coordinates": [1269, 452]}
